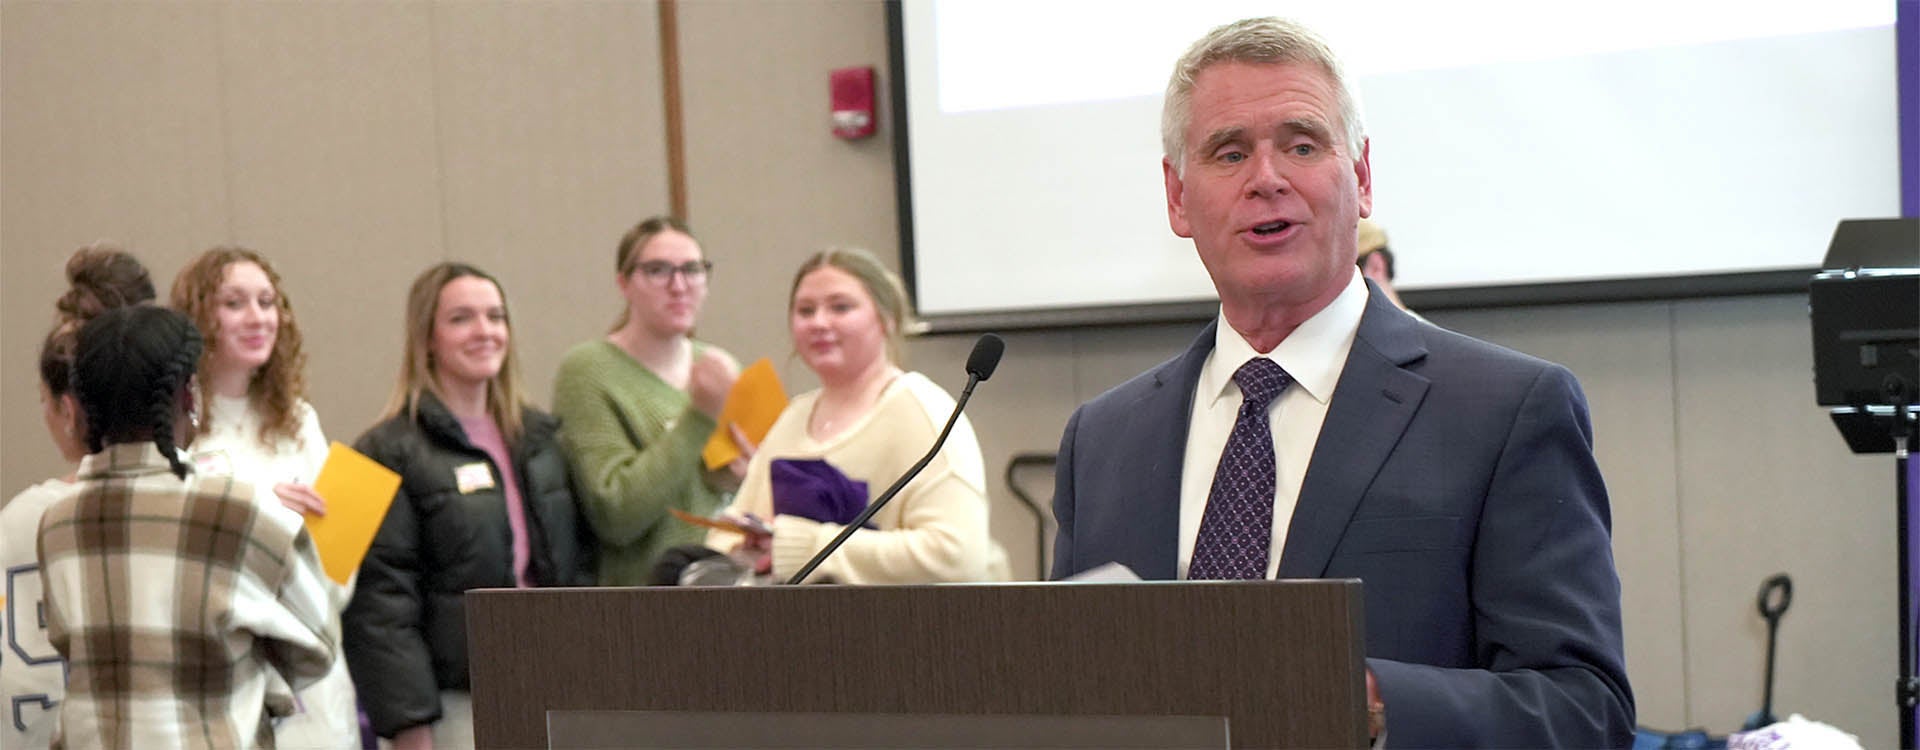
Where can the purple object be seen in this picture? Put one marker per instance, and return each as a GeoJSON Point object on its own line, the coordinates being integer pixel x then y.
{"type": "Point", "coordinates": [1236, 529]}
{"type": "Point", "coordinates": [813, 489]}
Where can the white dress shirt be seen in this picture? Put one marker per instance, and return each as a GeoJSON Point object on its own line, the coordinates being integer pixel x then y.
{"type": "Point", "coordinates": [1314, 354]}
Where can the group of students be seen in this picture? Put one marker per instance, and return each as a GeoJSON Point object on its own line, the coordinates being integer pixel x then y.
{"type": "Point", "coordinates": [184, 604]}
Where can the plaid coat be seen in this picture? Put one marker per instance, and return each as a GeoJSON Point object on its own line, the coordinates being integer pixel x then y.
{"type": "Point", "coordinates": [185, 612]}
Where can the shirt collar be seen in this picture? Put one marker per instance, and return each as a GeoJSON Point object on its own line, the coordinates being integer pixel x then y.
{"type": "Point", "coordinates": [1314, 354]}
{"type": "Point", "coordinates": [124, 459]}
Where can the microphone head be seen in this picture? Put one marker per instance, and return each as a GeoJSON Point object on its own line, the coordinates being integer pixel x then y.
{"type": "Point", "coordinates": [985, 356]}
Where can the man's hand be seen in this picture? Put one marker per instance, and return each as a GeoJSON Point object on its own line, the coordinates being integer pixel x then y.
{"type": "Point", "coordinates": [1376, 708]}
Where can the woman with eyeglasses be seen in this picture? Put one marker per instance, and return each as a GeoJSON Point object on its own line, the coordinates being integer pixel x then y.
{"type": "Point", "coordinates": [636, 407]}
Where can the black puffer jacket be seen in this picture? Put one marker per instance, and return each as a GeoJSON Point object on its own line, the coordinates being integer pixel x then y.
{"type": "Point", "coordinates": [405, 630]}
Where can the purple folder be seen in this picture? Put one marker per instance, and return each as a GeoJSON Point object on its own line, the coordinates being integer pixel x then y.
{"type": "Point", "coordinates": [813, 489]}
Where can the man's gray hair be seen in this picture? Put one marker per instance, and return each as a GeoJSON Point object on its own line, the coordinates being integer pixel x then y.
{"type": "Point", "coordinates": [1254, 40]}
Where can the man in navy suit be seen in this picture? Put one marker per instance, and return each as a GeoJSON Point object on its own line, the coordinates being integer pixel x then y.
{"type": "Point", "coordinates": [1454, 477]}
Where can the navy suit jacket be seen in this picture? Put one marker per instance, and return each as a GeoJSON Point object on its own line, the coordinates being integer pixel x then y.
{"type": "Point", "coordinates": [1456, 479]}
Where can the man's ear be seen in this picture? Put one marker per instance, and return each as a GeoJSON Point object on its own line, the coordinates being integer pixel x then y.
{"type": "Point", "coordinates": [1363, 176]}
{"type": "Point", "coordinates": [1176, 199]}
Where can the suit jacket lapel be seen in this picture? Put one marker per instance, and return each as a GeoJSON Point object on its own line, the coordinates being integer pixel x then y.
{"type": "Point", "coordinates": [1372, 404]}
{"type": "Point", "coordinates": [1162, 419]}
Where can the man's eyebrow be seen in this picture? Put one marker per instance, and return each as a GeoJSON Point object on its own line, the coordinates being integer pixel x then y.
{"type": "Point", "coordinates": [1222, 137]}
{"type": "Point", "coordinates": [1307, 126]}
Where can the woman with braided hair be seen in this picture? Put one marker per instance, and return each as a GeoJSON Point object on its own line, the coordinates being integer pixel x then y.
{"type": "Point", "coordinates": [187, 613]}
{"type": "Point", "coordinates": [100, 277]}
{"type": "Point", "coordinates": [255, 425]}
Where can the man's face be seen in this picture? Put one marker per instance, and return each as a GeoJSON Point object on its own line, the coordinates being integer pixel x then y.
{"type": "Point", "coordinates": [1272, 193]}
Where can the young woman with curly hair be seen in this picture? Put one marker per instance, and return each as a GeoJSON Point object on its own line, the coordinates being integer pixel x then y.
{"type": "Point", "coordinates": [256, 425]}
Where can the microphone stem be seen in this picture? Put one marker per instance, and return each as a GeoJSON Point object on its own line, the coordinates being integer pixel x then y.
{"type": "Point", "coordinates": [880, 502]}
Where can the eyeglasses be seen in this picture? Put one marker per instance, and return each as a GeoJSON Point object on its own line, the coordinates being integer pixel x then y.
{"type": "Point", "coordinates": [661, 272]}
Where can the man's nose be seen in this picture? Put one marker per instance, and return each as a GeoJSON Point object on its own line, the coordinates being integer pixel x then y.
{"type": "Point", "coordinates": [1267, 174]}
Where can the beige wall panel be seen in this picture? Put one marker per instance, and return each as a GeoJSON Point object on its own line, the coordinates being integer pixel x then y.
{"type": "Point", "coordinates": [552, 127]}
{"type": "Point", "coordinates": [767, 182]}
{"type": "Point", "coordinates": [109, 128]}
{"type": "Point", "coordinates": [1623, 356]}
{"type": "Point", "coordinates": [1106, 357]}
{"type": "Point", "coordinates": [336, 179]}
{"type": "Point", "coordinates": [1767, 486]}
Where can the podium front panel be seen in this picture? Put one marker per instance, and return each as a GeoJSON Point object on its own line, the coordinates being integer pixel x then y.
{"type": "Point", "coordinates": [1281, 660]}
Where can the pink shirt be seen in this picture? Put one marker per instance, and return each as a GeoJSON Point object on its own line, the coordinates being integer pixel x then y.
{"type": "Point", "coordinates": [486, 436]}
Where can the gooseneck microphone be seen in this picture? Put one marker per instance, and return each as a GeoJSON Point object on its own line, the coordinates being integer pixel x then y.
{"type": "Point", "coordinates": [980, 364]}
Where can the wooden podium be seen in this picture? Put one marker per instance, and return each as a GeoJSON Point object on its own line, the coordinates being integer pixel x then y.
{"type": "Point", "coordinates": [1280, 659]}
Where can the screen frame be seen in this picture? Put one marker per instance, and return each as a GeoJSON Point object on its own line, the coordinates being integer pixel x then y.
{"type": "Point", "coordinates": [1586, 291]}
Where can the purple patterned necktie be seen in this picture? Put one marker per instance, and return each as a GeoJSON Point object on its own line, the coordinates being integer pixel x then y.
{"type": "Point", "coordinates": [1236, 532]}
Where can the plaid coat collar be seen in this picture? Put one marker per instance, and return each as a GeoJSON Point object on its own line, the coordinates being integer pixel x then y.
{"type": "Point", "coordinates": [124, 460]}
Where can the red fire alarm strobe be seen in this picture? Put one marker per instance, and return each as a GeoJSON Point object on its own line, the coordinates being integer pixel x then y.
{"type": "Point", "coordinates": [852, 90]}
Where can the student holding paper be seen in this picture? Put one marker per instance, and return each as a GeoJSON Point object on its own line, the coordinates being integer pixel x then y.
{"type": "Point", "coordinates": [32, 675]}
{"type": "Point", "coordinates": [256, 425]}
{"type": "Point", "coordinates": [835, 448]}
{"type": "Point", "coordinates": [484, 502]}
{"type": "Point", "coordinates": [637, 406]}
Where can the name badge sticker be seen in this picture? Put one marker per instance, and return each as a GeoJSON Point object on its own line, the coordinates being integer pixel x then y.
{"type": "Point", "coordinates": [473, 477]}
{"type": "Point", "coordinates": [213, 463]}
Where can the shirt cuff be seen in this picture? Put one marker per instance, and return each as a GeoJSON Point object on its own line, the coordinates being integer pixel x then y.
{"type": "Point", "coordinates": [795, 541]}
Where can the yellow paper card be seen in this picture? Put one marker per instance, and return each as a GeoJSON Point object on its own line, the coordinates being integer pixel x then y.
{"type": "Point", "coordinates": [754, 403]}
{"type": "Point", "coordinates": [357, 491]}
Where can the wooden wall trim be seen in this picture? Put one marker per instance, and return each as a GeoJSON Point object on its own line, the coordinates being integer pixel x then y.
{"type": "Point", "coordinates": [675, 118]}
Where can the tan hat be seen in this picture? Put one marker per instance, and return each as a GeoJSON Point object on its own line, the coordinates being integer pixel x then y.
{"type": "Point", "coordinates": [1372, 237]}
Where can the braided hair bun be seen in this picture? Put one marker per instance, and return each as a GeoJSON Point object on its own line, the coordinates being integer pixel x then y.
{"type": "Point", "coordinates": [130, 369]}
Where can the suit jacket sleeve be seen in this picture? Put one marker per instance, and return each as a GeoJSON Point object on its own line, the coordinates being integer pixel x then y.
{"type": "Point", "coordinates": [1063, 503]}
{"type": "Point", "coordinates": [1545, 613]}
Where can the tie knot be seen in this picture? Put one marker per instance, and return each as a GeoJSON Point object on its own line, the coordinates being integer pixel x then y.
{"type": "Point", "coordinates": [1260, 379]}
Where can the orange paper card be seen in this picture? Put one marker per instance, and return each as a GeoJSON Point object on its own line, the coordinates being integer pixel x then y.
{"type": "Point", "coordinates": [358, 491]}
{"type": "Point", "coordinates": [754, 403]}
{"type": "Point", "coordinates": [723, 523]}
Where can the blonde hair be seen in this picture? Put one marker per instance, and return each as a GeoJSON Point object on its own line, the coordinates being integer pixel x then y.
{"type": "Point", "coordinates": [883, 286]}
{"type": "Point", "coordinates": [277, 387]}
{"type": "Point", "coordinates": [505, 401]}
{"type": "Point", "coordinates": [1260, 41]}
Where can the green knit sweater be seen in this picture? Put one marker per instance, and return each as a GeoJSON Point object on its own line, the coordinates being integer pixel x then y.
{"type": "Point", "coordinates": [634, 442]}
